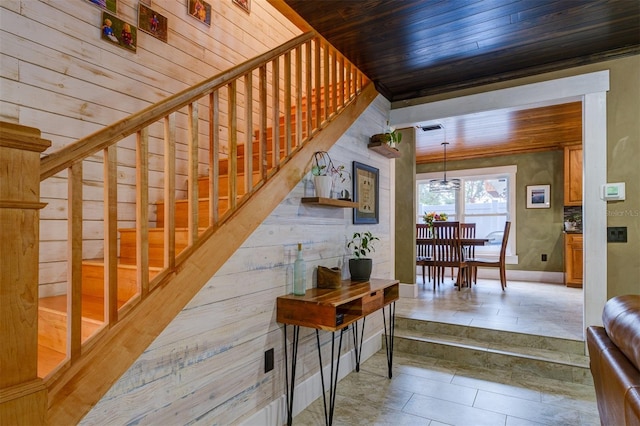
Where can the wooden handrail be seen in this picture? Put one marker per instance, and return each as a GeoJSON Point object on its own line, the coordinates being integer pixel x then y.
{"type": "Point", "coordinates": [82, 148]}
{"type": "Point", "coordinates": [309, 85]}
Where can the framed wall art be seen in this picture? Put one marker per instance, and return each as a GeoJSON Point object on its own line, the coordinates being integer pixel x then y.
{"type": "Point", "coordinates": [201, 10]}
{"type": "Point", "coordinates": [108, 5]}
{"type": "Point", "coordinates": [243, 4]}
{"type": "Point", "coordinates": [366, 184]}
{"type": "Point", "coordinates": [151, 22]}
{"type": "Point", "coordinates": [118, 32]}
{"type": "Point", "coordinates": [538, 196]}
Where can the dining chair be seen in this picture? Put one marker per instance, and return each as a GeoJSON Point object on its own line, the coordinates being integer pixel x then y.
{"type": "Point", "coordinates": [491, 263]}
{"type": "Point", "coordinates": [467, 230]}
{"type": "Point", "coordinates": [424, 249]}
{"type": "Point", "coordinates": [447, 251]}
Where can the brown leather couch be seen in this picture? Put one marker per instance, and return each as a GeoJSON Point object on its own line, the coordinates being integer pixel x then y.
{"type": "Point", "coordinates": [614, 351]}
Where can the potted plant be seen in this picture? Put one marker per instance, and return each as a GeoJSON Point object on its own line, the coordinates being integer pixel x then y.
{"type": "Point", "coordinates": [324, 171]}
{"type": "Point", "coordinates": [361, 244]}
{"type": "Point", "coordinates": [391, 137]}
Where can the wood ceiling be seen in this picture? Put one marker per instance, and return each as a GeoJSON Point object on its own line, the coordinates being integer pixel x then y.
{"type": "Point", "coordinates": [415, 48]}
{"type": "Point", "coordinates": [502, 132]}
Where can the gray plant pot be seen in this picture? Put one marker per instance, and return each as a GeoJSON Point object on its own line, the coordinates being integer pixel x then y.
{"type": "Point", "coordinates": [360, 269]}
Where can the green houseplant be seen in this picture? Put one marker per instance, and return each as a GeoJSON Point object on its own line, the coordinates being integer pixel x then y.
{"type": "Point", "coordinates": [324, 171]}
{"type": "Point", "coordinates": [391, 137]}
{"type": "Point", "coordinates": [361, 244]}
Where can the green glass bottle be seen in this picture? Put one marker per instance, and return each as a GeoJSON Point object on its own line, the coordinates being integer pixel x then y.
{"type": "Point", "coordinates": [299, 274]}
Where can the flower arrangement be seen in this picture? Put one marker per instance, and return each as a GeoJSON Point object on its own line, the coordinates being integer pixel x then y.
{"type": "Point", "coordinates": [429, 218]}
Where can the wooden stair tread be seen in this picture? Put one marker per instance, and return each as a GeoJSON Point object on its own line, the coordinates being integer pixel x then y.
{"type": "Point", "coordinates": [201, 229]}
{"type": "Point", "coordinates": [100, 262]}
{"type": "Point", "coordinates": [92, 306]}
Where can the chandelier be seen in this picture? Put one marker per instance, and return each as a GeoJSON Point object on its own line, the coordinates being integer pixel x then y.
{"type": "Point", "coordinates": [444, 185]}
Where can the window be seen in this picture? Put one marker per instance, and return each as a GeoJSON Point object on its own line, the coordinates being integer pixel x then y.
{"type": "Point", "coordinates": [486, 198]}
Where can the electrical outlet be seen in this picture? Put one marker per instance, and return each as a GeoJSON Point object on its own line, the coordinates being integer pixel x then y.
{"type": "Point", "coordinates": [544, 258]}
{"type": "Point", "coordinates": [268, 360]}
{"type": "Point", "coordinates": [617, 234]}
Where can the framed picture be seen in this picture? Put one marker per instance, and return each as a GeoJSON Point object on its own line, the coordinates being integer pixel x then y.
{"type": "Point", "coordinates": [366, 184]}
{"type": "Point", "coordinates": [538, 196]}
{"type": "Point", "coordinates": [152, 22]}
{"type": "Point", "coordinates": [116, 31]}
{"type": "Point", "coordinates": [108, 5]}
{"type": "Point", "coordinates": [201, 10]}
{"type": "Point", "coordinates": [243, 4]}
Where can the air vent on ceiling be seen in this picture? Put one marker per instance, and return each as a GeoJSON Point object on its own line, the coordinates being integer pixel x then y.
{"type": "Point", "coordinates": [431, 127]}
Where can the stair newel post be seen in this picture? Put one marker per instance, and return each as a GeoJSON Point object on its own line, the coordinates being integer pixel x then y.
{"type": "Point", "coordinates": [23, 396]}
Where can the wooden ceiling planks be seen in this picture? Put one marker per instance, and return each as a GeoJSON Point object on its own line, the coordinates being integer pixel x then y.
{"type": "Point", "coordinates": [502, 132]}
{"type": "Point", "coordinates": [415, 48]}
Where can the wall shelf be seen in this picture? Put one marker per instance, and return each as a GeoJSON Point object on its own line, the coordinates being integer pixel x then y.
{"type": "Point", "coordinates": [384, 149]}
{"type": "Point", "coordinates": [329, 202]}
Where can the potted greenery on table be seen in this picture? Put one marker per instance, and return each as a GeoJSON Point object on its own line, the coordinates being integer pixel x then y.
{"type": "Point", "coordinates": [361, 244]}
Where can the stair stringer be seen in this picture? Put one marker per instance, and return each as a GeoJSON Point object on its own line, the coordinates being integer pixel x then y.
{"type": "Point", "coordinates": [76, 390]}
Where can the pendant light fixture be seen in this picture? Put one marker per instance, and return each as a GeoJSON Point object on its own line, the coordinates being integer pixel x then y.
{"type": "Point", "coordinates": [444, 184]}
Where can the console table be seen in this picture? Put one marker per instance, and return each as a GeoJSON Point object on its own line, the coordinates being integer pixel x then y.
{"type": "Point", "coordinates": [335, 310]}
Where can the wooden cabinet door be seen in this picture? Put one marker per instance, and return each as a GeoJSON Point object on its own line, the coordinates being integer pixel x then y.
{"type": "Point", "coordinates": [573, 175]}
{"type": "Point", "coordinates": [573, 260]}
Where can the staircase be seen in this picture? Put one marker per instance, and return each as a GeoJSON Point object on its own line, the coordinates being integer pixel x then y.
{"type": "Point", "coordinates": [74, 346]}
{"type": "Point", "coordinates": [547, 357]}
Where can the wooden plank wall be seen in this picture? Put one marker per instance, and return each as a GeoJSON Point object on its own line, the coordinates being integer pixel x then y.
{"type": "Point", "coordinates": [207, 366]}
{"type": "Point", "coordinates": [59, 76]}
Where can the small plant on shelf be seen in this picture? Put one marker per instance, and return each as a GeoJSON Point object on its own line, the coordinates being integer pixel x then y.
{"type": "Point", "coordinates": [324, 172]}
{"type": "Point", "coordinates": [322, 165]}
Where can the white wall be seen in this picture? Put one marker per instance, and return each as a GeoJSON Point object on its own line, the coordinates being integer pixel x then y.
{"type": "Point", "coordinates": [207, 366]}
{"type": "Point", "coordinates": [58, 75]}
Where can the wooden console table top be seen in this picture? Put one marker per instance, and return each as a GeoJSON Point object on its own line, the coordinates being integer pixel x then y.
{"type": "Point", "coordinates": [333, 309]}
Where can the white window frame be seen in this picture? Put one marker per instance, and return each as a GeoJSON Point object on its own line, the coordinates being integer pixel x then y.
{"type": "Point", "coordinates": [485, 172]}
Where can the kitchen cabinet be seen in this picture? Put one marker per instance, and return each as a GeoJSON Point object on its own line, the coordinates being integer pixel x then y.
{"type": "Point", "coordinates": [573, 260]}
{"type": "Point", "coordinates": [573, 175]}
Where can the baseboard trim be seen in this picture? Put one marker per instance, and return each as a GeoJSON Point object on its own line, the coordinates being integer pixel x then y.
{"type": "Point", "coordinates": [515, 275]}
{"type": "Point", "coordinates": [275, 413]}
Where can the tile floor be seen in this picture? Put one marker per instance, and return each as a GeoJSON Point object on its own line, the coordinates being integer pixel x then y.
{"type": "Point", "coordinates": [534, 308]}
{"type": "Point", "coordinates": [429, 391]}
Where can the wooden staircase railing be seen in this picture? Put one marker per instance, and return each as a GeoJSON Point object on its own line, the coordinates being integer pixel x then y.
{"type": "Point", "coordinates": [226, 138]}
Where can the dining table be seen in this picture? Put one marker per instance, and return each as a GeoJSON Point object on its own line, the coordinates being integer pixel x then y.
{"type": "Point", "coordinates": [464, 242]}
